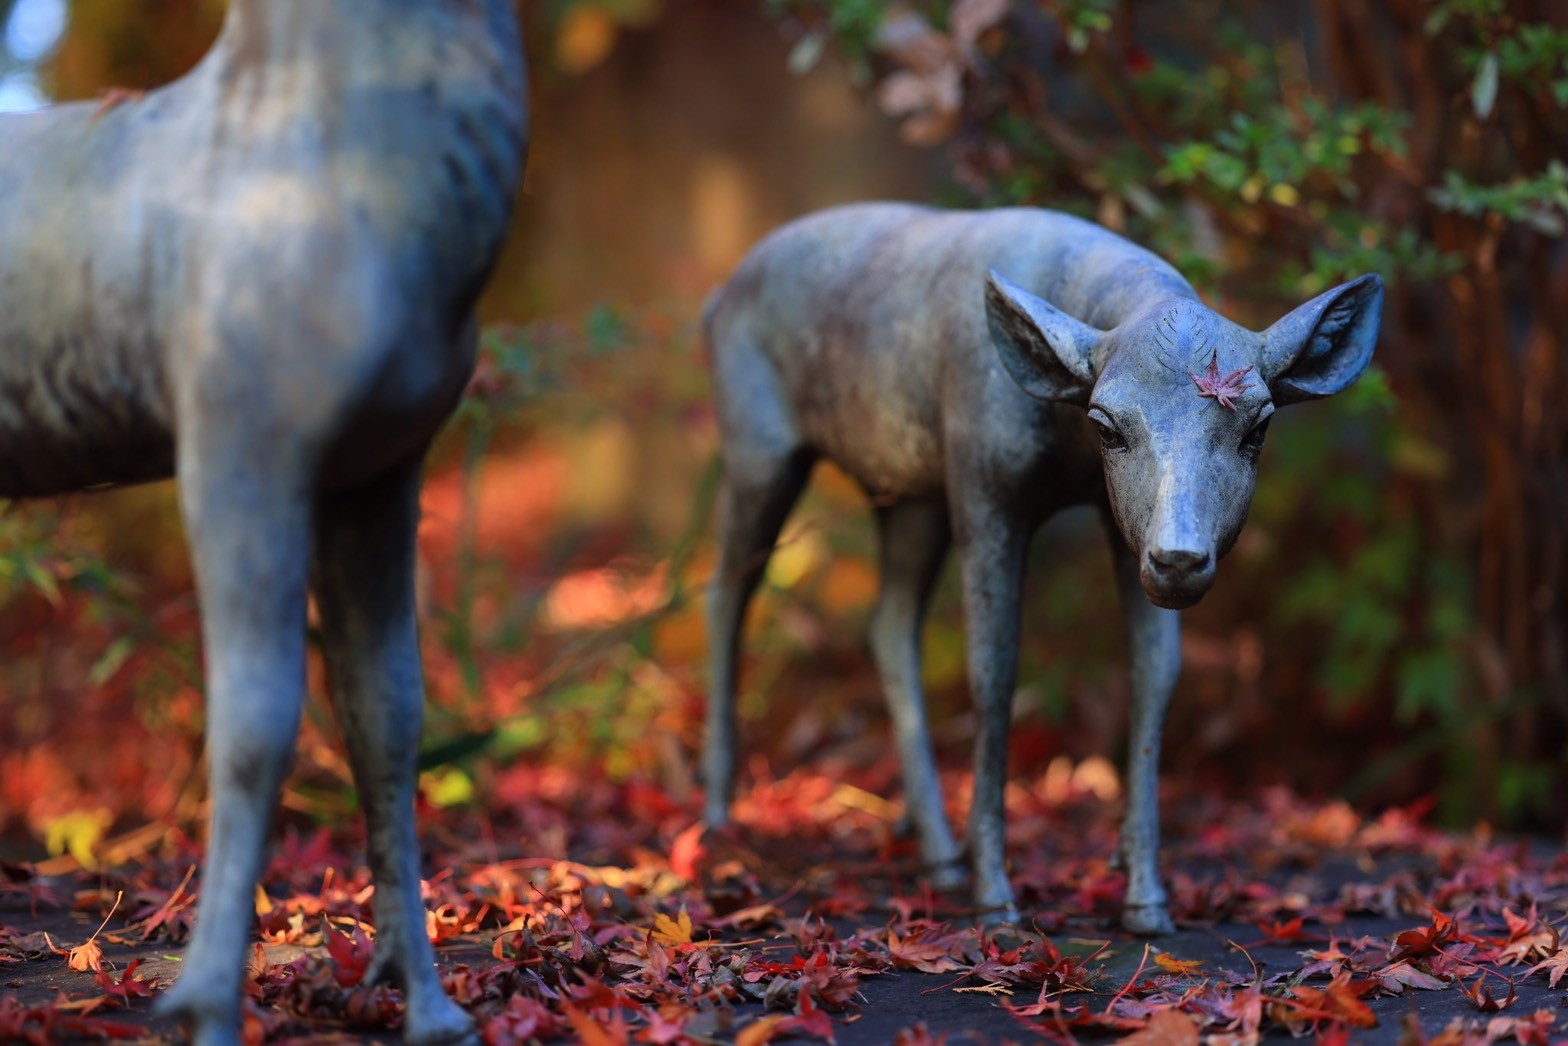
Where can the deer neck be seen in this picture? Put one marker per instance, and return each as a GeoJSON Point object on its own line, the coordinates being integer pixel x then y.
{"type": "Point", "coordinates": [325, 50]}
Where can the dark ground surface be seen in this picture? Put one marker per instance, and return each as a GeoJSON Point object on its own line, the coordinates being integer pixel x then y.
{"type": "Point", "coordinates": [894, 1001]}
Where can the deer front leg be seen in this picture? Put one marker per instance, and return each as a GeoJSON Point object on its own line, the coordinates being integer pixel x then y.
{"type": "Point", "coordinates": [991, 549]}
{"type": "Point", "coordinates": [1154, 646]}
{"type": "Point", "coordinates": [247, 515]}
{"type": "Point", "coordinates": [364, 581]}
{"type": "Point", "coordinates": [914, 538]}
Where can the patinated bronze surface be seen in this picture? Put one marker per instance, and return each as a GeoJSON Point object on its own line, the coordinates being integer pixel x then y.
{"type": "Point", "coordinates": [261, 280]}
{"type": "Point", "coordinates": [976, 372]}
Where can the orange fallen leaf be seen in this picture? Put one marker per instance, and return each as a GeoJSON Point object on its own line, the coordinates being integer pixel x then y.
{"type": "Point", "coordinates": [759, 1032]}
{"type": "Point", "coordinates": [672, 932]}
{"type": "Point", "coordinates": [1180, 967]}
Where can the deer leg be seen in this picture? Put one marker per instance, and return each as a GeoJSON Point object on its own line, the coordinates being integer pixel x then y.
{"type": "Point", "coordinates": [247, 516]}
{"type": "Point", "coordinates": [1154, 646]}
{"type": "Point", "coordinates": [991, 552]}
{"type": "Point", "coordinates": [915, 537]}
{"type": "Point", "coordinates": [364, 582]}
{"type": "Point", "coordinates": [756, 497]}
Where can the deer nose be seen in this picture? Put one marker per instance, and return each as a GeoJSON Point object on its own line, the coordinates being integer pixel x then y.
{"type": "Point", "coordinates": [1178, 561]}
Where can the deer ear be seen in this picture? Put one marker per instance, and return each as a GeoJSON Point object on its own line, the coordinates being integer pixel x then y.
{"type": "Point", "coordinates": [1324, 345]}
{"type": "Point", "coordinates": [1049, 353]}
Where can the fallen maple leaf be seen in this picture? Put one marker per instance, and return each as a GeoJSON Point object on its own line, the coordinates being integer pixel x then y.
{"type": "Point", "coordinates": [1426, 940]}
{"type": "Point", "coordinates": [672, 932]}
{"type": "Point", "coordinates": [1480, 993]}
{"type": "Point", "coordinates": [1534, 1030]}
{"type": "Point", "coordinates": [129, 986]}
{"type": "Point", "coordinates": [922, 950]}
{"type": "Point", "coordinates": [1180, 967]}
{"type": "Point", "coordinates": [1282, 932]}
{"type": "Point", "coordinates": [350, 955]}
{"type": "Point", "coordinates": [1168, 1027]}
{"type": "Point", "coordinates": [591, 1033]}
{"type": "Point", "coordinates": [808, 1020]}
{"type": "Point", "coordinates": [688, 852]}
{"type": "Point", "coordinates": [86, 957]}
{"type": "Point", "coordinates": [1528, 939]}
{"type": "Point", "coordinates": [1221, 389]}
{"type": "Point", "coordinates": [1556, 966]}
{"type": "Point", "coordinates": [760, 1031]}
{"type": "Point", "coordinates": [1396, 977]}
{"type": "Point", "coordinates": [1339, 1002]}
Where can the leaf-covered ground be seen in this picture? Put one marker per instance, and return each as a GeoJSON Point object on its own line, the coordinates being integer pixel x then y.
{"type": "Point", "coordinates": [809, 922]}
{"type": "Point", "coordinates": [574, 896]}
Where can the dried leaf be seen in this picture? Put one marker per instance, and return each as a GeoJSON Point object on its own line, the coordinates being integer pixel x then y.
{"type": "Point", "coordinates": [1223, 390]}
{"type": "Point", "coordinates": [1179, 967]}
{"type": "Point", "coordinates": [1165, 1028]}
{"type": "Point", "coordinates": [86, 957]}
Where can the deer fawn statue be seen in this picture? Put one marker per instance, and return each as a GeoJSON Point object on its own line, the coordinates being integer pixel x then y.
{"type": "Point", "coordinates": [261, 280]}
{"type": "Point", "coordinates": [975, 373]}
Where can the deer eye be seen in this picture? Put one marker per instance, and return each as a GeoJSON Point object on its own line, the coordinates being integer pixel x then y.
{"type": "Point", "coordinates": [1252, 442]}
{"type": "Point", "coordinates": [1111, 437]}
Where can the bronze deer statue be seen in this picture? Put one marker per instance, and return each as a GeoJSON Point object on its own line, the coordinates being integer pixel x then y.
{"type": "Point", "coordinates": [261, 280]}
{"type": "Point", "coordinates": [976, 373]}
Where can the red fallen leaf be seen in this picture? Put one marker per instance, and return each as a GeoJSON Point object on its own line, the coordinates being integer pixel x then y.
{"type": "Point", "coordinates": [1555, 967]}
{"type": "Point", "coordinates": [1396, 977]}
{"type": "Point", "coordinates": [591, 1033]}
{"type": "Point", "coordinates": [596, 995]}
{"type": "Point", "coordinates": [687, 853]}
{"type": "Point", "coordinates": [1242, 1012]}
{"type": "Point", "coordinates": [525, 1019]}
{"type": "Point", "coordinates": [350, 955]}
{"type": "Point", "coordinates": [923, 950]}
{"type": "Point", "coordinates": [1282, 932]}
{"type": "Point", "coordinates": [1339, 1002]}
{"type": "Point", "coordinates": [1534, 1030]}
{"type": "Point", "coordinates": [1038, 962]}
{"type": "Point", "coordinates": [128, 987]}
{"type": "Point", "coordinates": [1333, 1035]}
{"type": "Point", "coordinates": [1165, 1028]}
{"type": "Point", "coordinates": [808, 1020]}
{"type": "Point", "coordinates": [1527, 939]}
{"type": "Point", "coordinates": [1480, 993]}
{"type": "Point", "coordinates": [1056, 1016]}
{"type": "Point", "coordinates": [1416, 943]}
{"type": "Point", "coordinates": [666, 1026]}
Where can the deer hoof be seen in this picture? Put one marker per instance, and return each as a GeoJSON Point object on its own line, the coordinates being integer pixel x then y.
{"type": "Point", "coordinates": [1147, 920]}
{"type": "Point", "coordinates": [193, 1004]}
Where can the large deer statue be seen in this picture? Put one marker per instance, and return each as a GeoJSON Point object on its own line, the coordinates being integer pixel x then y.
{"type": "Point", "coordinates": [261, 280]}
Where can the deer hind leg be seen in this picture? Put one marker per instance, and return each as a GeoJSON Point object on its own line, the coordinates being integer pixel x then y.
{"type": "Point", "coordinates": [364, 582]}
{"type": "Point", "coordinates": [765, 468]}
{"type": "Point", "coordinates": [915, 537]}
{"type": "Point", "coordinates": [248, 521]}
{"type": "Point", "coordinates": [1154, 646]}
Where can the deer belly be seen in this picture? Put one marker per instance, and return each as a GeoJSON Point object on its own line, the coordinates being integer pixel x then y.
{"type": "Point", "coordinates": [891, 452]}
{"type": "Point", "coordinates": [66, 425]}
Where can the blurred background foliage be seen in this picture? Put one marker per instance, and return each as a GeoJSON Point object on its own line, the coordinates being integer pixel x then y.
{"type": "Point", "coordinates": [1390, 628]}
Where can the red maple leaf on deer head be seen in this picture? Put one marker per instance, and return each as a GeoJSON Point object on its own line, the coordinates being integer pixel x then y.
{"type": "Point", "coordinates": [1223, 389]}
